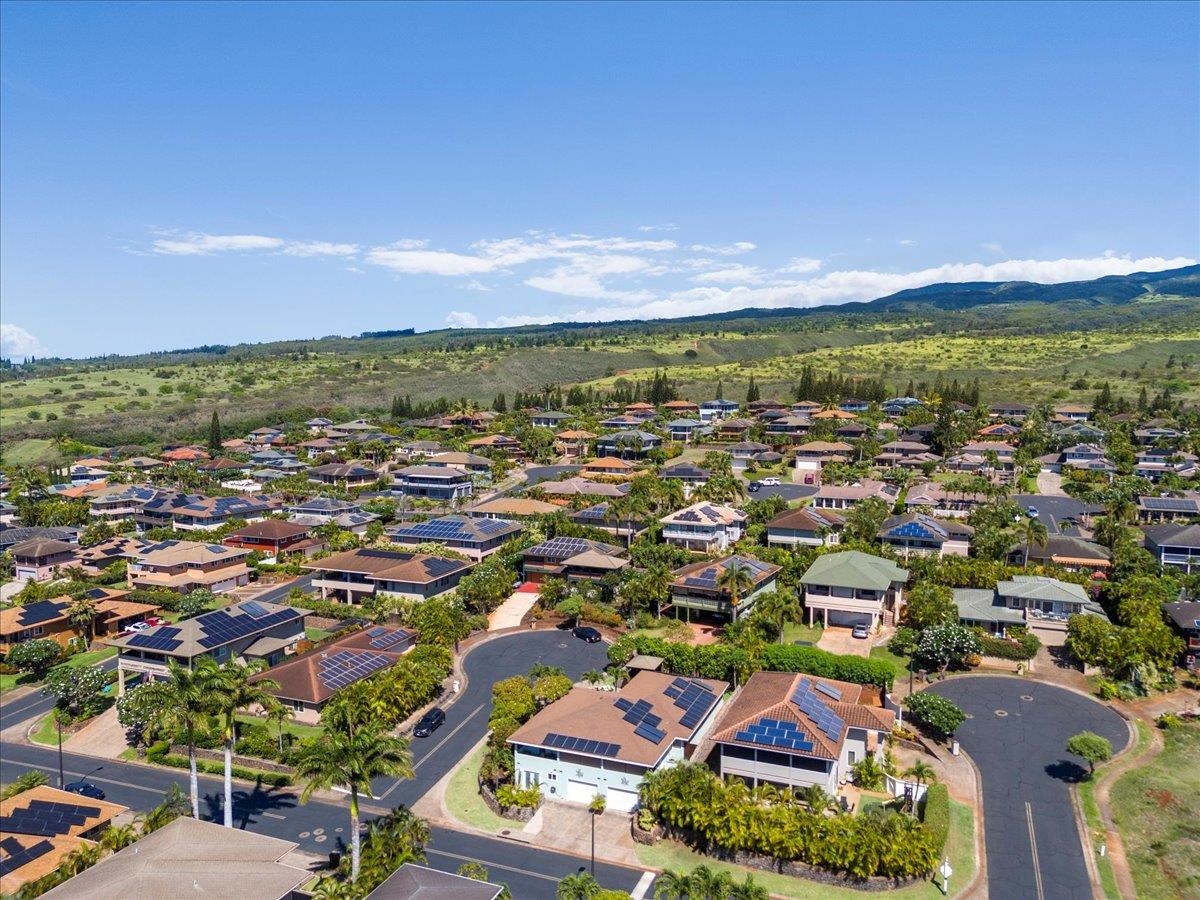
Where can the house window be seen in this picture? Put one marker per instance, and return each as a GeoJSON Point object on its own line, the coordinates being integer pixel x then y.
{"type": "Point", "coordinates": [851, 757]}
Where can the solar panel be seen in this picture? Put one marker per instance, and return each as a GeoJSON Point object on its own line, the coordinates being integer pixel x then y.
{"type": "Point", "coordinates": [650, 733]}
{"type": "Point", "coordinates": [828, 690]}
{"type": "Point", "coordinates": [388, 638]}
{"type": "Point", "coordinates": [16, 858]}
{"type": "Point", "coordinates": [36, 613]}
{"type": "Point", "coordinates": [377, 631]}
{"type": "Point", "coordinates": [220, 628]}
{"type": "Point", "coordinates": [623, 704]}
{"type": "Point", "coordinates": [254, 609]}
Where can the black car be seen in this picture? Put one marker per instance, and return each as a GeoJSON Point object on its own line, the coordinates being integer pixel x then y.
{"type": "Point", "coordinates": [430, 722]}
{"type": "Point", "coordinates": [753, 487]}
{"type": "Point", "coordinates": [584, 633]}
{"type": "Point", "coordinates": [84, 789]}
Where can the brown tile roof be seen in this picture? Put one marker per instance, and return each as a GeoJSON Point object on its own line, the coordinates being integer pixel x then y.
{"type": "Point", "coordinates": [593, 715]}
{"type": "Point", "coordinates": [270, 530]}
{"type": "Point", "coordinates": [806, 519]}
{"type": "Point", "coordinates": [300, 677]}
{"type": "Point", "coordinates": [513, 506]}
{"type": "Point", "coordinates": [390, 565]}
{"type": "Point", "coordinates": [770, 694]}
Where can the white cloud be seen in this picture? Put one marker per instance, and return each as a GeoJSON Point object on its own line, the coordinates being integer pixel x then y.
{"type": "Point", "coordinates": [725, 249]}
{"type": "Point", "coordinates": [670, 226]}
{"type": "Point", "coordinates": [457, 319]}
{"type": "Point", "coordinates": [17, 343]}
{"type": "Point", "coordinates": [734, 274]}
{"type": "Point", "coordinates": [476, 285]}
{"type": "Point", "coordinates": [801, 265]}
{"type": "Point", "coordinates": [429, 262]}
{"type": "Point", "coordinates": [409, 244]}
{"type": "Point", "coordinates": [199, 244]}
{"type": "Point", "coordinates": [994, 247]}
{"type": "Point", "coordinates": [319, 248]}
{"type": "Point", "coordinates": [906, 242]}
{"type": "Point", "coordinates": [356, 270]}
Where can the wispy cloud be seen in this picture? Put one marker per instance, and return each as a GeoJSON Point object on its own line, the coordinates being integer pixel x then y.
{"type": "Point", "coordinates": [199, 244]}
{"type": "Point", "coordinates": [906, 242]}
{"type": "Point", "coordinates": [670, 226]}
{"type": "Point", "coordinates": [992, 247]}
{"type": "Point", "coordinates": [725, 249]}
{"type": "Point", "coordinates": [17, 343]}
{"type": "Point", "coordinates": [800, 265]}
{"type": "Point", "coordinates": [319, 248]}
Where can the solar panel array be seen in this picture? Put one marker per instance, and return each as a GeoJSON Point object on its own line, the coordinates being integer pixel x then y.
{"type": "Point", "coordinates": [828, 690]}
{"type": "Point", "coordinates": [769, 732]}
{"type": "Point", "coordinates": [252, 608]}
{"type": "Point", "coordinates": [348, 666]}
{"type": "Point", "coordinates": [582, 745]}
{"type": "Point", "coordinates": [695, 699]}
{"type": "Point", "coordinates": [46, 818]}
{"type": "Point", "coordinates": [650, 733]}
{"type": "Point", "coordinates": [220, 627]}
{"type": "Point", "coordinates": [36, 613]}
{"type": "Point", "coordinates": [917, 530]}
{"type": "Point", "coordinates": [455, 528]}
{"type": "Point", "coordinates": [812, 706]}
{"type": "Point", "coordinates": [385, 638]}
{"type": "Point", "coordinates": [560, 548]}
{"type": "Point", "coordinates": [1170, 504]}
{"type": "Point", "coordinates": [162, 638]}
{"type": "Point", "coordinates": [15, 856]}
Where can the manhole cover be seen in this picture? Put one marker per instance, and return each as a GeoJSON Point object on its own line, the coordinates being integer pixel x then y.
{"type": "Point", "coordinates": [320, 839]}
{"type": "Point", "coordinates": [1002, 713]}
{"type": "Point", "coordinates": [1027, 697]}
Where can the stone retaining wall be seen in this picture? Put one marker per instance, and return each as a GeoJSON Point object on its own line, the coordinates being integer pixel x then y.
{"type": "Point", "coordinates": [245, 762]}
{"type": "Point", "coordinates": [516, 813]}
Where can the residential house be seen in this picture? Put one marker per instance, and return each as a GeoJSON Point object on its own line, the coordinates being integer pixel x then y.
{"type": "Point", "coordinates": [473, 537]}
{"type": "Point", "coordinates": [1074, 432]}
{"type": "Point", "coordinates": [41, 559]}
{"type": "Point", "coordinates": [309, 680]}
{"type": "Point", "coordinates": [346, 475]}
{"type": "Point", "coordinates": [1024, 600]}
{"type": "Point", "coordinates": [355, 575]}
{"type": "Point", "coordinates": [8, 513]}
{"type": "Point", "coordinates": [320, 446]}
{"type": "Point", "coordinates": [733, 429]}
{"type": "Point", "coordinates": [601, 516]}
{"type": "Point", "coordinates": [789, 427]}
{"type": "Point", "coordinates": [185, 566]}
{"type": "Point", "coordinates": [582, 487]}
{"type": "Point", "coordinates": [622, 421]}
{"type": "Point", "coordinates": [1155, 462]}
{"type": "Point", "coordinates": [917, 533]}
{"type": "Point", "coordinates": [1000, 431]}
{"type": "Point", "coordinates": [512, 508]}
{"type": "Point", "coordinates": [806, 407]}
{"type": "Point", "coordinates": [743, 453]}
{"type": "Point", "coordinates": [608, 466]}
{"type": "Point", "coordinates": [549, 418]}
{"type": "Point", "coordinates": [896, 407]}
{"type": "Point", "coordinates": [471, 463]}
{"type": "Point", "coordinates": [805, 527]}
{"type": "Point", "coordinates": [571, 559]}
{"type": "Point", "coordinates": [416, 449]}
{"type": "Point", "coordinates": [631, 444]}
{"type": "Point", "coordinates": [591, 743]}
{"type": "Point", "coordinates": [1168, 508]}
{"type": "Point", "coordinates": [12, 537]}
{"type": "Point", "coordinates": [815, 455]}
{"type": "Point", "coordinates": [499, 444]}
{"type": "Point", "coordinates": [932, 497]}
{"type": "Point", "coordinates": [682, 408]}
{"type": "Point", "coordinates": [691, 476]}
{"type": "Point", "coordinates": [277, 461]}
{"type": "Point", "coordinates": [698, 587]}
{"type": "Point", "coordinates": [853, 431]}
{"type": "Point", "coordinates": [120, 501]}
{"type": "Point", "coordinates": [194, 512]}
{"type": "Point", "coordinates": [642, 411]}
{"type": "Point", "coordinates": [765, 405]}
{"type": "Point", "coordinates": [853, 588]}
{"type": "Point", "coordinates": [42, 826]}
{"type": "Point", "coordinates": [244, 632]}
{"type": "Point", "coordinates": [572, 443]}
{"type": "Point", "coordinates": [81, 475]}
{"type": "Point", "coordinates": [796, 731]}
{"type": "Point", "coordinates": [1072, 553]}
{"type": "Point", "coordinates": [1013, 411]}
{"type": "Point", "coordinates": [318, 424]}
{"type": "Point", "coordinates": [1072, 413]}
{"type": "Point", "coordinates": [98, 557]}
{"type": "Point", "coordinates": [48, 619]}
{"type": "Point", "coordinates": [443, 483]}
{"type": "Point", "coordinates": [1184, 615]}
{"type": "Point", "coordinates": [685, 431]}
{"type": "Point", "coordinates": [1175, 545]}
{"type": "Point", "coordinates": [906, 454]}
{"type": "Point", "coordinates": [415, 882]}
{"type": "Point", "coordinates": [323, 508]}
{"type": "Point", "coordinates": [713, 410]}
{"type": "Point", "coordinates": [854, 405]}
{"type": "Point", "coordinates": [274, 537]}
{"type": "Point", "coordinates": [184, 455]}
{"type": "Point", "coordinates": [1156, 434]}
{"type": "Point", "coordinates": [222, 467]}
{"type": "Point", "coordinates": [704, 527]}
{"type": "Point", "coordinates": [838, 496]}
{"type": "Point", "coordinates": [1087, 456]}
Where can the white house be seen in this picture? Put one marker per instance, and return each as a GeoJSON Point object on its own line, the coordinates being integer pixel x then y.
{"type": "Point", "coordinates": [704, 527]}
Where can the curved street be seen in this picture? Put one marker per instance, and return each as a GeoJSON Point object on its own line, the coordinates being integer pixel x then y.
{"type": "Point", "coordinates": [1017, 734]}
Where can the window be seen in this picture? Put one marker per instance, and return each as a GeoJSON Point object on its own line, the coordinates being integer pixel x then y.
{"type": "Point", "coordinates": [851, 757]}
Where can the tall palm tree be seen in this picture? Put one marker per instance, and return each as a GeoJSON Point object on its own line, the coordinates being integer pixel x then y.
{"type": "Point", "coordinates": [232, 691]}
{"type": "Point", "coordinates": [921, 772]}
{"type": "Point", "coordinates": [1034, 532]}
{"type": "Point", "coordinates": [735, 580]}
{"type": "Point", "coordinates": [709, 884]}
{"type": "Point", "coordinates": [187, 711]}
{"type": "Point", "coordinates": [778, 609]}
{"type": "Point", "coordinates": [351, 759]}
{"type": "Point", "coordinates": [279, 714]}
{"type": "Point", "coordinates": [578, 886]}
{"type": "Point", "coordinates": [82, 616]}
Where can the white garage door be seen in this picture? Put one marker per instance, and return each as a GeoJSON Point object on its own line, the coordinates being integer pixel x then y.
{"type": "Point", "coordinates": [580, 791]}
{"type": "Point", "coordinates": [837, 617]}
{"type": "Point", "coordinates": [622, 801]}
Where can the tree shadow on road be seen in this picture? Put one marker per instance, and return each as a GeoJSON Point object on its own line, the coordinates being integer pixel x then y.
{"type": "Point", "coordinates": [1065, 770]}
{"type": "Point", "coordinates": [249, 805]}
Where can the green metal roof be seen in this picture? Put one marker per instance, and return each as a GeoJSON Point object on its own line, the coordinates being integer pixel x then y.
{"type": "Point", "coordinates": [855, 570]}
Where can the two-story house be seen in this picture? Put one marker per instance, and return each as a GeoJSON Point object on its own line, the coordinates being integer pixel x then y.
{"type": "Point", "coordinates": [917, 533]}
{"type": "Point", "coordinates": [571, 559]}
{"type": "Point", "coordinates": [473, 537]}
{"type": "Point", "coordinates": [628, 444]}
{"type": "Point", "coordinates": [1023, 600]}
{"type": "Point", "coordinates": [713, 410]}
{"type": "Point", "coordinates": [345, 475]}
{"type": "Point", "coordinates": [704, 527]}
{"type": "Point", "coordinates": [184, 566]}
{"type": "Point", "coordinates": [41, 559]}
{"type": "Point", "coordinates": [1184, 615]}
{"type": "Point", "coordinates": [854, 588]}
{"type": "Point", "coordinates": [1177, 546]}
{"type": "Point", "coordinates": [805, 527]}
{"type": "Point", "coordinates": [444, 483]}
{"type": "Point", "coordinates": [355, 575]}
{"type": "Point", "coordinates": [706, 588]}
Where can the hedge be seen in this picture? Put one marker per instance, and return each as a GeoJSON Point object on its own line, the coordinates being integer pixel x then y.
{"type": "Point", "coordinates": [823, 664]}
{"type": "Point", "coordinates": [158, 753]}
{"type": "Point", "coordinates": [1026, 647]}
{"type": "Point", "coordinates": [935, 814]}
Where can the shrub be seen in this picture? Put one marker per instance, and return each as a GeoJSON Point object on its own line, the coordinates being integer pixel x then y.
{"type": "Point", "coordinates": [525, 798]}
{"type": "Point", "coordinates": [35, 657]}
{"type": "Point", "coordinates": [935, 814]}
{"type": "Point", "coordinates": [813, 661]}
{"type": "Point", "coordinates": [904, 641]}
{"type": "Point", "coordinates": [1020, 645]}
{"type": "Point", "coordinates": [1106, 689]}
{"type": "Point", "coordinates": [935, 712]}
{"type": "Point", "coordinates": [1168, 721]}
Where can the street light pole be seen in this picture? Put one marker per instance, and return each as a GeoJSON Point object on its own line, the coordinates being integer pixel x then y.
{"type": "Point", "coordinates": [58, 727]}
{"type": "Point", "coordinates": [593, 845]}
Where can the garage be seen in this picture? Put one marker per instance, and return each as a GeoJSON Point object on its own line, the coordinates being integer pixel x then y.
{"type": "Point", "coordinates": [621, 800]}
{"type": "Point", "coordinates": [849, 619]}
{"type": "Point", "coordinates": [580, 791]}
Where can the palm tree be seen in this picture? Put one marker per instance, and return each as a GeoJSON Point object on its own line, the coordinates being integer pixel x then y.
{"type": "Point", "coordinates": [921, 772]}
{"type": "Point", "coordinates": [232, 691]}
{"type": "Point", "coordinates": [279, 714]}
{"type": "Point", "coordinates": [118, 837]}
{"type": "Point", "coordinates": [749, 890]}
{"type": "Point", "coordinates": [709, 884]}
{"type": "Point", "coordinates": [735, 580]}
{"type": "Point", "coordinates": [82, 616]}
{"type": "Point", "coordinates": [580, 886]}
{"type": "Point", "coordinates": [1034, 532]}
{"type": "Point", "coordinates": [779, 608]}
{"type": "Point", "coordinates": [351, 759]}
{"type": "Point", "coordinates": [187, 711]}
{"type": "Point", "coordinates": [816, 798]}
{"type": "Point", "coordinates": [672, 885]}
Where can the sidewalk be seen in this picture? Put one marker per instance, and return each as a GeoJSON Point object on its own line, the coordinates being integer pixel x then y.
{"type": "Point", "coordinates": [103, 736]}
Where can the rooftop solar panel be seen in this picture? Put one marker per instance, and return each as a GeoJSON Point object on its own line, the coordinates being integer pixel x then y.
{"type": "Point", "coordinates": [41, 611]}
{"type": "Point", "coordinates": [650, 733]}
{"type": "Point", "coordinates": [253, 609]}
{"type": "Point", "coordinates": [17, 857]}
{"type": "Point", "coordinates": [828, 690]}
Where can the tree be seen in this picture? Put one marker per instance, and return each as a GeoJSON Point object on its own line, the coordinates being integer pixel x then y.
{"type": "Point", "coordinates": [352, 758]}
{"type": "Point", "coordinates": [35, 657]}
{"type": "Point", "coordinates": [864, 521]}
{"type": "Point", "coordinates": [1091, 747]}
{"type": "Point", "coordinates": [214, 433]}
{"type": "Point", "coordinates": [928, 604]}
{"type": "Point", "coordinates": [946, 644]}
{"type": "Point", "coordinates": [578, 886]}
{"type": "Point", "coordinates": [1033, 531]}
{"type": "Point", "coordinates": [81, 613]}
{"type": "Point", "coordinates": [935, 712]}
{"type": "Point", "coordinates": [232, 691]}
{"type": "Point", "coordinates": [24, 782]}
{"type": "Point", "coordinates": [1090, 639]}
{"type": "Point", "coordinates": [752, 391]}
{"type": "Point", "coordinates": [921, 772]}
{"type": "Point", "coordinates": [79, 691]}
{"type": "Point", "coordinates": [190, 704]}
{"type": "Point", "coordinates": [735, 580]}
{"type": "Point", "coordinates": [143, 707]}
{"type": "Point", "coordinates": [778, 609]}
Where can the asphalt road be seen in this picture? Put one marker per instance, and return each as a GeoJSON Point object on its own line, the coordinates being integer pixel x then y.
{"type": "Point", "coordinates": [320, 827]}
{"type": "Point", "coordinates": [1017, 735]}
{"type": "Point", "coordinates": [789, 492]}
{"type": "Point", "coordinates": [1060, 514]}
{"type": "Point", "coordinates": [275, 594]}
{"type": "Point", "coordinates": [36, 703]}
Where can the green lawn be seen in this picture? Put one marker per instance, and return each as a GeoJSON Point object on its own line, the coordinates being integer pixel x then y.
{"type": "Point", "coordinates": [8, 682]}
{"type": "Point", "coordinates": [1157, 808]}
{"type": "Point", "coordinates": [900, 662]}
{"type": "Point", "coordinates": [463, 801]}
{"type": "Point", "coordinates": [296, 728]}
{"type": "Point", "coordinates": [960, 846]}
{"type": "Point", "coordinates": [90, 658]}
{"type": "Point", "coordinates": [794, 631]}
{"type": "Point", "coordinates": [45, 732]}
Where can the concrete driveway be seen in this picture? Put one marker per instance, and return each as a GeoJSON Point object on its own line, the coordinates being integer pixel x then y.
{"type": "Point", "coordinates": [1017, 734]}
{"type": "Point", "coordinates": [838, 639]}
{"type": "Point", "coordinates": [1050, 484]}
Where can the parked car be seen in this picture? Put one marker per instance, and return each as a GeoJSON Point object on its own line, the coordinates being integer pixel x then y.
{"type": "Point", "coordinates": [770, 482]}
{"type": "Point", "coordinates": [155, 620]}
{"type": "Point", "coordinates": [84, 789]}
{"type": "Point", "coordinates": [586, 633]}
{"type": "Point", "coordinates": [753, 487]}
{"type": "Point", "coordinates": [430, 722]}
{"type": "Point", "coordinates": [861, 631]}
{"type": "Point", "coordinates": [138, 626]}
{"type": "Point", "coordinates": [810, 478]}
{"type": "Point", "coordinates": [1032, 512]}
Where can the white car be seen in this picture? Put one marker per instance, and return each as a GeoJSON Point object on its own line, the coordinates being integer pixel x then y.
{"type": "Point", "coordinates": [138, 626]}
{"type": "Point", "coordinates": [770, 482]}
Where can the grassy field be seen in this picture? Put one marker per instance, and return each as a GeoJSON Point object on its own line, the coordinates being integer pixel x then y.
{"type": "Point", "coordinates": [901, 663]}
{"type": "Point", "coordinates": [794, 631]}
{"type": "Point", "coordinates": [960, 847]}
{"type": "Point", "coordinates": [463, 801]}
{"type": "Point", "coordinates": [1157, 808]}
{"type": "Point", "coordinates": [296, 728]}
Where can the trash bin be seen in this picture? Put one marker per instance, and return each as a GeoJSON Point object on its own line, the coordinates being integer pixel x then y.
{"type": "Point", "coordinates": [335, 858]}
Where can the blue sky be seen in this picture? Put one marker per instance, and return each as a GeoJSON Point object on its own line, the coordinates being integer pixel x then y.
{"type": "Point", "coordinates": [178, 174]}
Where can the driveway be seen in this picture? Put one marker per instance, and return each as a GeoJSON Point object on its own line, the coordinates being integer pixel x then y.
{"type": "Point", "coordinates": [1017, 736]}
{"type": "Point", "coordinates": [1050, 484]}
{"type": "Point", "coordinates": [837, 639]}
{"type": "Point", "coordinates": [789, 492]}
{"type": "Point", "coordinates": [509, 613]}
{"type": "Point", "coordinates": [1061, 515]}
